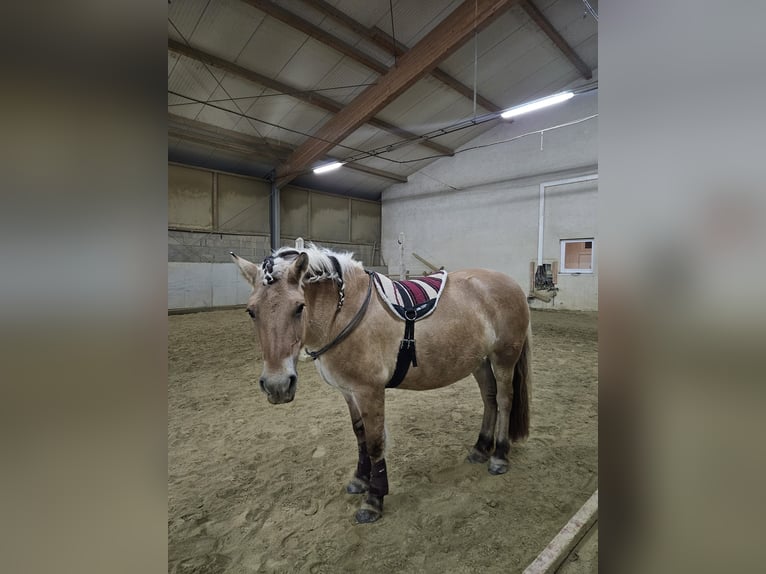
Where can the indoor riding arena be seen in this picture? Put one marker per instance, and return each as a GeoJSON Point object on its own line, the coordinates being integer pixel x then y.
{"type": "Point", "coordinates": [422, 137]}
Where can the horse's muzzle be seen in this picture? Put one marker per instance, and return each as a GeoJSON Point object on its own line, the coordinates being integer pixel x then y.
{"type": "Point", "coordinates": [279, 390]}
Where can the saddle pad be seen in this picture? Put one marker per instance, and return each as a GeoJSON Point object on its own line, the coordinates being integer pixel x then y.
{"type": "Point", "coordinates": [412, 299]}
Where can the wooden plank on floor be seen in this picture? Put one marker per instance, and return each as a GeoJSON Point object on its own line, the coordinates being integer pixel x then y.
{"type": "Point", "coordinates": [564, 542]}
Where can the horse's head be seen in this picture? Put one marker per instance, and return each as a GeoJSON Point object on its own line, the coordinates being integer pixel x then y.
{"type": "Point", "coordinates": [276, 307]}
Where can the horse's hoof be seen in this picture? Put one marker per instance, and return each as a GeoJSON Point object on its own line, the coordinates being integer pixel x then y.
{"type": "Point", "coordinates": [477, 457]}
{"type": "Point", "coordinates": [498, 467]}
{"type": "Point", "coordinates": [367, 515]}
{"type": "Point", "coordinates": [357, 486]}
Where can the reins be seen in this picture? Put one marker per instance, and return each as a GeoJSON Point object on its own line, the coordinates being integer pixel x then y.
{"type": "Point", "coordinates": [348, 328]}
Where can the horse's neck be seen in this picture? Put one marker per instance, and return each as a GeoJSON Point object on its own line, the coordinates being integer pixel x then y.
{"type": "Point", "coordinates": [322, 298]}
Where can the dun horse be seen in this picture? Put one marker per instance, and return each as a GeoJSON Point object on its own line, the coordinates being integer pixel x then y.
{"type": "Point", "coordinates": [325, 301]}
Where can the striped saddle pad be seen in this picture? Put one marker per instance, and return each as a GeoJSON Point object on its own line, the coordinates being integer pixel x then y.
{"type": "Point", "coordinates": [412, 299]}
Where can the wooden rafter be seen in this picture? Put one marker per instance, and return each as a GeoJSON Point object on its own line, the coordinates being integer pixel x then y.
{"type": "Point", "coordinates": [539, 18]}
{"type": "Point", "coordinates": [383, 40]}
{"type": "Point", "coordinates": [310, 98]}
{"type": "Point", "coordinates": [246, 145]}
{"type": "Point", "coordinates": [438, 44]}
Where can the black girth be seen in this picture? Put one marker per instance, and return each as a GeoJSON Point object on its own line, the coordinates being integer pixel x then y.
{"type": "Point", "coordinates": [406, 356]}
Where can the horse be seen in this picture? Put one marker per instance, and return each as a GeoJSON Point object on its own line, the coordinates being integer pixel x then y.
{"type": "Point", "coordinates": [321, 302]}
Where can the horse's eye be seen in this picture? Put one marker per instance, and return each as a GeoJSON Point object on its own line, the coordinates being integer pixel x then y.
{"type": "Point", "coordinates": [299, 310]}
{"type": "Point", "coordinates": [250, 312]}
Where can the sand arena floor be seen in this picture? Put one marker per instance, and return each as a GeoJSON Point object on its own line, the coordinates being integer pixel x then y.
{"type": "Point", "coordinates": [255, 487]}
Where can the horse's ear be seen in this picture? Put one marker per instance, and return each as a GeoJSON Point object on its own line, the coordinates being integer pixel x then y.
{"type": "Point", "coordinates": [298, 268]}
{"type": "Point", "coordinates": [250, 271]}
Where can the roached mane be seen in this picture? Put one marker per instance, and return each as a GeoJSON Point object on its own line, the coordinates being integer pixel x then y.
{"type": "Point", "coordinates": [320, 265]}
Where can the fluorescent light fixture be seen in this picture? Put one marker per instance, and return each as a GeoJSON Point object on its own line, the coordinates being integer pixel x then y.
{"type": "Point", "coordinates": [536, 105]}
{"type": "Point", "coordinates": [328, 167]}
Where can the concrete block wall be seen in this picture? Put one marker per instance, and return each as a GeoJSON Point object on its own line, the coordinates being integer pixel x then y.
{"type": "Point", "coordinates": [202, 247]}
{"type": "Point", "coordinates": [202, 275]}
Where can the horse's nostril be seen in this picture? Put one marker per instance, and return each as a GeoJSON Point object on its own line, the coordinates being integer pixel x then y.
{"type": "Point", "coordinates": [262, 383]}
{"type": "Point", "coordinates": [293, 379]}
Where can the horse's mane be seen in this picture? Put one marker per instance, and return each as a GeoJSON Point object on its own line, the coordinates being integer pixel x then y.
{"type": "Point", "coordinates": [320, 265]}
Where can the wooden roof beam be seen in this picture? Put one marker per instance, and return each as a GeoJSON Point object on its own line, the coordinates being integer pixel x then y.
{"type": "Point", "coordinates": [438, 44]}
{"type": "Point", "coordinates": [545, 25]}
{"type": "Point", "coordinates": [310, 98]}
{"type": "Point", "coordinates": [244, 144]}
{"type": "Point", "coordinates": [383, 40]}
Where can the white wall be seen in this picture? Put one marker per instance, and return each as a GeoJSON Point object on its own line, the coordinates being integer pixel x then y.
{"type": "Point", "coordinates": [480, 208]}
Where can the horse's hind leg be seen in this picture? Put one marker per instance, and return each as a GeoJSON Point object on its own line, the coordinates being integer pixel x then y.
{"type": "Point", "coordinates": [503, 366]}
{"type": "Point", "coordinates": [488, 386]}
{"type": "Point", "coordinates": [361, 481]}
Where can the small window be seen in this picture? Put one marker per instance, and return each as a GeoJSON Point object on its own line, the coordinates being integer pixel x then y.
{"type": "Point", "coordinates": [576, 256]}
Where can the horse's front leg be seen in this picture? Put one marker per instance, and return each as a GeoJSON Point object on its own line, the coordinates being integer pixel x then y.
{"type": "Point", "coordinates": [371, 405]}
{"type": "Point", "coordinates": [361, 481]}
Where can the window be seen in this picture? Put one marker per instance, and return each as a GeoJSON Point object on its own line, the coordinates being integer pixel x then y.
{"type": "Point", "coordinates": [577, 255]}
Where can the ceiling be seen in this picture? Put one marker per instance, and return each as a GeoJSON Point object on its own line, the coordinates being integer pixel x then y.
{"type": "Point", "coordinates": [261, 87]}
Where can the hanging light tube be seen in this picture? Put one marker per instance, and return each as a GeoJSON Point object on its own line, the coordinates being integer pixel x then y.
{"type": "Point", "coordinates": [536, 105]}
{"type": "Point", "coordinates": [328, 167]}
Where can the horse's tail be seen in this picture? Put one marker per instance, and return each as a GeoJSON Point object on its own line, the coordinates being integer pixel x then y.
{"type": "Point", "coordinates": [519, 424]}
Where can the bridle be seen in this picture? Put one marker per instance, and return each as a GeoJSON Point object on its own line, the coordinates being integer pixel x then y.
{"type": "Point", "coordinates": [354, 321]}
{"type": "Point", "coordinates": [267, 266]}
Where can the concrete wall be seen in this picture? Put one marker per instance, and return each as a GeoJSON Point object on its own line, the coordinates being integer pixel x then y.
{"type": "Point", "coordinates": [198, 285]}
{"type": "Point", "coordinates": [481, 208]}
{"type": "Point", "coordinates": [196, 247]}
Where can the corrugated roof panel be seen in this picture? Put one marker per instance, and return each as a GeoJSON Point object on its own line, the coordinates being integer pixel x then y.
{"type": "Point", "coordinates": [305, 118]}
{"type": "Point", "coordinates": [571, 20]}
{"type": "Point", "coordinates": [220, 98]}
{"type": "Point", "coordinates": [303, 9]}
{"type": "Point", "coordinates": [225, 27]}
{"type": "Point", "coordinates": [306, 11]}
{"type": "Point", "coordinates": [422, 95]}
{"type": "Point", "coordinates": [173, 33]}
{"type": "Point", "coordinates": [218, 117]}
{"type": "Point", "coordinates": [441, 108]}
{"type": "Point", "coordinates": [367, 13]}
{"type": "Point", "coordinates": [461, 109]}
{"type": "Point", "coordinates": [359, 139]}
{"type": "Point", "coordinates": [240, 88]}
{"type": "Point", "coordinates": [312, 62]}
{"type": "Point", "coordinates": [172, 61]}
{"type": "Point", "coordinates": [271, 47]}
{"type": "Point", "coordinates": [498, 72]}
{"type": "Point", "coordinates": [185, 16]}
{"type": "Point", "coordinates": [379, 139]}
{"type": "Point", "coordinates": [347, 72]}
{"type": "Point", "coordinates": [413, 20]}
{"type": "Point", "coordinates": [460, 64]}
{"type": "Point", "coordinates": [190, 111]}
{"type": "Point", "coordinates": [271, 110]}
{"type": "Point", "coordinates": [194, 79]}
{"type": "Point", "coordinates": [588, 51]}
{"type": "Point", "coordinates": [385, 165]}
